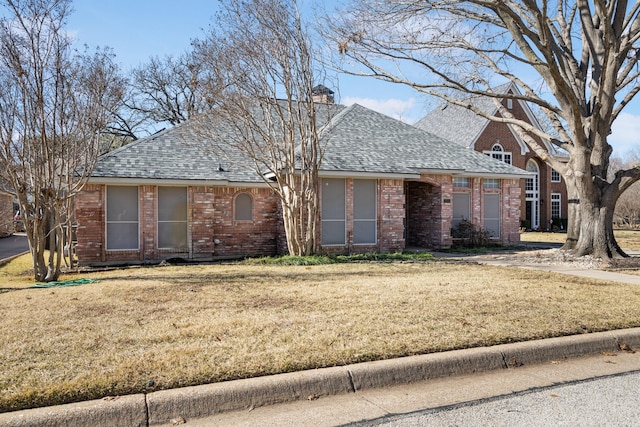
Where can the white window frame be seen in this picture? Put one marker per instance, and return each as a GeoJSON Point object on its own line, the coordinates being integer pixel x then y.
{"type": "Point", "coordinates": [555, 176]}
{"type": "Point", "coordinates": [461, 182]}
{"type": "Point", "coordinates": [556, 199]}
{"type": "Point", "coordinates": [491, 183]}
{"type": "Point", "coordinates": [497, 152]}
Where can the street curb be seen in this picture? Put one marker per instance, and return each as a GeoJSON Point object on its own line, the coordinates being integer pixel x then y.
{"type": "Point", "coordinates": [192, 402]}
{"type": "Point", "coordinates": [11, 258]}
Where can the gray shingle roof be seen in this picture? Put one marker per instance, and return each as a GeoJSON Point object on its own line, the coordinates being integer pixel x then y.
{"type": "Point", "coordinates": [459, 124]}
{"type": "Point", "coordinates": [363, 140]}
{"type": "Point", "coordinates": [358, 140]}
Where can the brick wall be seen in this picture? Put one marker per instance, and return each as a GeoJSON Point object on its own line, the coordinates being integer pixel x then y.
{"type": "Point", "coordinates": [390, 220]}
{"type": "Point", "coordinates": [500, 133]}
{"type": "Point", "coordinates": [212, 228]}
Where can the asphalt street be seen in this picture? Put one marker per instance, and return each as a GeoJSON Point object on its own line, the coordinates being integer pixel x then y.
{"type": "Point", "coordinates": [13, 245]}
{"type": "Point", "coordinates": [599, 390]}
{"type": "Point", "coordinates": [609, 401]}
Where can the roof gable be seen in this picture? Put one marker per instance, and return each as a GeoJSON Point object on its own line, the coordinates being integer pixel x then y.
{"type": "Point", "coordinates": [464, 127]}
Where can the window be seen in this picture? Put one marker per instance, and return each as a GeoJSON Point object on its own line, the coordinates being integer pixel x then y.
{"type": "Point", "coordinates": [497, 152]}
{"type": "Point", "coordinates": [244, 207]}
{"type": "Point", "coordinates": [460, 208]}
{"type": "Point", "coordinates": [491, 184]}
{"type": "Point", "coordinates": [556, 211]}
{"type": "Point", "coordinates": [122, 218]}
{"type": "Point", "coordinates": [460, 182]}
{"type": "Point", "coordinates": [492, 214]}
{"type": "Point", "coordinates": [172, 217]}
{"type": "Point", "coordinates": [555, 176]}
{"type": "Point", "coordinates": [509, 103]}
{"type": "Point", "coordinates": [333, 211]}
{"type": "Point", "coordinates": [364, 211]}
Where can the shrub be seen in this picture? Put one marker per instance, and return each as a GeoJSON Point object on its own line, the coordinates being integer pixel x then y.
{"type": "Point", "coordinates": [470, 235]}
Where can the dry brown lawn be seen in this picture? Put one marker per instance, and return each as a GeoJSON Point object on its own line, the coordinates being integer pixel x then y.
{"type": "Point", "coordinates": [145, 329]}
{"type": "Point", "coordinates": [627, 239]}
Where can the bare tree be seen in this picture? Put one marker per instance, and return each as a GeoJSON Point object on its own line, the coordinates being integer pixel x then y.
{"type": "Point", "coordinates": [261, 54]}
{"type": "Point", "coordinates": [577, 60]}
{"type": "Point", "coordinates": [170, 90]}
{"type": "Point", "coordinates": [53, 105]}
{"type": "Point", "coordinates": [627, 213]}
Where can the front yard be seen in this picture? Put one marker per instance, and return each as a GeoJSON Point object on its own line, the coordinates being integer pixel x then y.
{"type": "Point", "coordinates": [145, 329]}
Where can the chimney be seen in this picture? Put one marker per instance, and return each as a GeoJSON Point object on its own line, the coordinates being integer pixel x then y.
{"type": "Point", "coordinates": [322, 95]}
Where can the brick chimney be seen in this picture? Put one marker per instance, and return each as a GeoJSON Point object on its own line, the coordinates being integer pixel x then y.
{"type": "Point", "coordinates": [322, 95]}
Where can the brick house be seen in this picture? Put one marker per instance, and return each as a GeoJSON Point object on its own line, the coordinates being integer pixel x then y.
{"type": "Point", "coordinates": [543, 194]}
{"type": "Point", "coordinates": [385, 185]}
{"type": "Point", "coordinates": [6, 210]}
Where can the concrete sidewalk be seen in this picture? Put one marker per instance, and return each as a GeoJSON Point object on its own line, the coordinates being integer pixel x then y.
{"type": "Point", "coordinates": [191, 403]}
{"type": "Point", "coordinates": [572, 270]}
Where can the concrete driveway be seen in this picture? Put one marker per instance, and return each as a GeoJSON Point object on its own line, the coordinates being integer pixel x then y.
{"type": "Point", "coordinates": [13, 245]}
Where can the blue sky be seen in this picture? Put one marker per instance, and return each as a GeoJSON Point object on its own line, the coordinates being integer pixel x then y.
{"type": "Point", "coordinates": [139, 29]}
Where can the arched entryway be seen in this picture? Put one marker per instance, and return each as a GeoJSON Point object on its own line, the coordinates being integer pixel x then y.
{"type": "Point", "coordinates": [532, 195]}
{"type": "Point", "coordinates": [423, 215]}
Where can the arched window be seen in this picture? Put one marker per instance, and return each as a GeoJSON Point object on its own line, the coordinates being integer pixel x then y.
{"type": "Point", "coordinates": [244, 207]}
{"type": "Point", "coordinates": [498, 153]}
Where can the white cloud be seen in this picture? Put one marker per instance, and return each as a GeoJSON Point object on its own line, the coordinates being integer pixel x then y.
{"type": "Point", "coordinates": [625, 133]}
{"type": "Point", "coordinates": [396, 108]}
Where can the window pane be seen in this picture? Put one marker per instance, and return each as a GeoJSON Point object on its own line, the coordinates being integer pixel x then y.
{"type": "Point", "coordinates": [364, 199]}
{"type": "Point", "coordinates": [460, 208]}
{"type": "Point", "coordinates": [172, 203]}
{"type": "Point", "coordinates": [492, 214]}
{"type": "Point", "coordinates": [122, 203]}
{"type": "Point", "coordinates": [491, 183]}
{"type": "Point", "coordinates": [333, 232]}
{"type": "Point", "coordinates": [459, 182]}
{"type": "Point", "coordinates": [333, 199]}
{"type": "Point", "coordinates": [244, 207]}
{"type": "Point", "coordinates": [122, 236]}
{"type": "Point", "coordinates": [172, 235]}
{"type": "Point", "coordinates": [122, 218]}
{"type": "Point", "coordinates": [364, 232]}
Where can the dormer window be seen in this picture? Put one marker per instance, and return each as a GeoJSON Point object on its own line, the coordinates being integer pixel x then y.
{"type": "Point", "coordinates": [498, 153]}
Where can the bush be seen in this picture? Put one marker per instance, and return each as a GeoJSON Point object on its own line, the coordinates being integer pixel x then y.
{"type": "Point", "coordinates": [470, 235]}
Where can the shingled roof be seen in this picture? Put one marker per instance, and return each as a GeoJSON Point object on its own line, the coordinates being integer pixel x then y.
{"type": "Point", "coordinates": [363, 140]}
{"type": "Point", "coordinates": [458, 124]}
{"type": "Point", "coordinates": [358, 141]}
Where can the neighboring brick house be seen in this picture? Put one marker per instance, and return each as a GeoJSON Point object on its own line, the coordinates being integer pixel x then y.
{"type": "Point", "coordinates": [6, 211]}
{"type": "Point", "coordinates": [385, 185]}
{"type": "Point", "coordinates": [544, 195]}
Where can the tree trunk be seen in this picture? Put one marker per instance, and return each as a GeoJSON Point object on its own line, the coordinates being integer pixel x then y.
{"type": "Point", "coordinates": [573, 214]}
{"type": "Point", "coordinates": [596, 210]}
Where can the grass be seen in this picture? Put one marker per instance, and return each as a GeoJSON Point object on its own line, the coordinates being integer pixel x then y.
{"type": "Point", "coordinates": [627, 239]}
{"type": "Point", "coordinates": [145, 329]}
